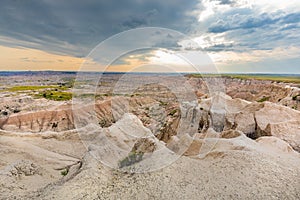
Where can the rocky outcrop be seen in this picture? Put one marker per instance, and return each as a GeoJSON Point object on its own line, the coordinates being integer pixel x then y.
{"type": "Point", "coordinates": [276, 145]}
{"type": "Point", "coordinates": [185, 121]}
{"type": "Point", "coordinates": [223, 173]}
{"type": "Point", "coordinates": [197, 150]}
{"type": "Point", "coordinates": [256, 119]}
{"type": "Point", "coordinates": [144, 145]}
{"type": "Point", "coordinates": [24, 168]}
{"type": "Point", "coordinates": [31, 163]}
{"type": "Point", "coordinates": [60, 119]}
{"type": "Point", "coordinates": [219, 112]}
{"type": "Point", "coordinates": [285, 94]}
{"type": "Point", "coordinates": [39, 121]}
{"type": "Point", "coordinates": [288, 131]}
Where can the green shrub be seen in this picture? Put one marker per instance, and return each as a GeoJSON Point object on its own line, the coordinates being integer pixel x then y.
{"type": "Point", "coordinates": [162, 103]}
{"type": "Point", "coordinates": [295, 107]}
{"type": "Point", "coordinates": [295, 97]}
{"type": "Point", "coordinates": [64, 172]}
{"type": "Point", "coordinates": [173, 112]}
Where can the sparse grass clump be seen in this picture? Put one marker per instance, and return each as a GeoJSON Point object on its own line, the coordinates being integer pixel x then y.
{"type": "Point", "coordinates": [132, 158]}
{"type": "Point", "coordinates": [69, 82]}
{"type": "Point", "coordinates": [162, 103]}
{"type": "Point", "coordinates": [173, 112]}
{"type": "Point", "coordinates": [263, 99]}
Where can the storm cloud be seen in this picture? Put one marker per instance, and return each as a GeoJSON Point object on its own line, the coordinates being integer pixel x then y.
{"type": "Point", "coordinates": [229, 28]}
{"type": "Point", "coordinates": [75, 27]}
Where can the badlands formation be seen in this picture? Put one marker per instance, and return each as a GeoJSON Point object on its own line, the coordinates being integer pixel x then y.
{"type": "Point", "coordinates": [240, 144]}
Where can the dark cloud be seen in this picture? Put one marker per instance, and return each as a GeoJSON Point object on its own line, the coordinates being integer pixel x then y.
{"type": "Point", "coordinates": [75, 27]}
{"type": "Point", "coordinates": [242, 21]}
{"type": "Point", "coordinates": [248, 19]}
{"type": "Point", "coordinates": [253, 30]}
{"type": "Point", "coordinates": [220, 47]}
{"type": "Point", "coordinates": [139, 21]}
{"type": "Point", "coordinates": [291, 18]}
{"type": "Point", "coordinates": [226, 2]}
{"type": "Point", "coordinates": [289, 27]}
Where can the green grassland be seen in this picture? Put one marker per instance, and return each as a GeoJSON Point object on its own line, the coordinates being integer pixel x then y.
{"type": "Point", "coordinates": [56, 92]}
{"type": "Point", "coordinates": [266, 77]}
{"type": "Point", "coordinates": [51, 92]}
{"type": "Point", "coordinates": [26, 88]}
{"type": "Point", "coordinates": [31, 87]}
{"type": "Point", "coordinates": [279, 78]}
{"type": "Point", "coordinates": [55, 95]}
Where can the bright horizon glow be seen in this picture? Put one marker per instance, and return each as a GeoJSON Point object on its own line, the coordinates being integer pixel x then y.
{"type": "Point", "coordinates": [19, 59]}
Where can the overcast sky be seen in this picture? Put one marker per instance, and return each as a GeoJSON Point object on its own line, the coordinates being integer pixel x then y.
{"type": "Point", "coordinates": [238, 35]}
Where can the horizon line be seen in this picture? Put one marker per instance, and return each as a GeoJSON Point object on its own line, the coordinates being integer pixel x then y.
{"type": "Point", "coordinates": [122, 72]}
